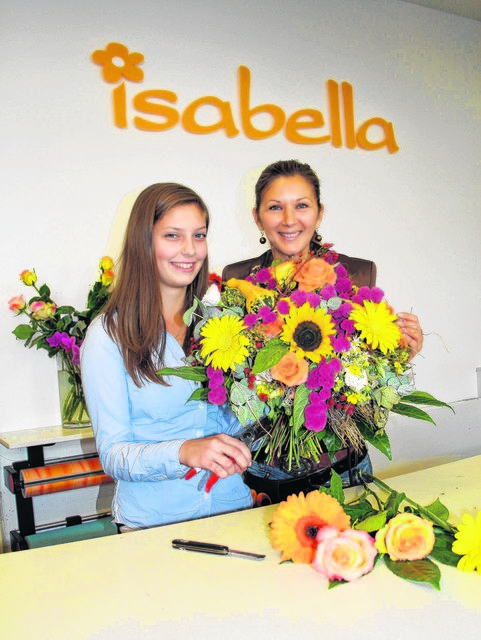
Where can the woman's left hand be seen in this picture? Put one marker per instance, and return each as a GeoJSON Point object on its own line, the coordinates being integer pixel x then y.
{"type": "Point", "coordinates": [411, 330]}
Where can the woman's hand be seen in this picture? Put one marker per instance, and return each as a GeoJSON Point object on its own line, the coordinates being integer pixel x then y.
{"type": "Point", "coordinates": [411, 330]}
{"type": "Point", "coordinates": [221, 454]}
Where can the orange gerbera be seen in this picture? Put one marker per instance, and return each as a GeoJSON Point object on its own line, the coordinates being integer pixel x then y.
{"type": "Point", "coordinates": [296, 522]}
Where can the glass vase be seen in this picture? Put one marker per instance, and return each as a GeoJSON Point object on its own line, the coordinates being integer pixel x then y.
{"type": "Point", "coordinates": [73, 407]}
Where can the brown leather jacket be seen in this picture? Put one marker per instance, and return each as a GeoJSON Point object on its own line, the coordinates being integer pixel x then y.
{"type": "Point", "coordinates": [362, 272]}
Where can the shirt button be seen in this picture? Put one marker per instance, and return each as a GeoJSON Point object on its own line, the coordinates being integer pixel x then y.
{"type": "Point", "coordinates": [201, 405]}
{"type": "Point", "coordinates": [198, 434]}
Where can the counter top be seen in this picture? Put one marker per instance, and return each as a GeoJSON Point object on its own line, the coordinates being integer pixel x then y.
{"type": "Point", "coordinates": [42, 436]}
{"type": "Point", "coordinates": [137, 586]}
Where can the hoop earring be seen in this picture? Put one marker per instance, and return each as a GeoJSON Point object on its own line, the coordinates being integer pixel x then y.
{"type": "Point", "coordinates": [262, 239]}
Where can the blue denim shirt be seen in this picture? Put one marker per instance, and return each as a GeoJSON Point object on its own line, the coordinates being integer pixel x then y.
{"type": "Point", "coordinates": [139, 432]}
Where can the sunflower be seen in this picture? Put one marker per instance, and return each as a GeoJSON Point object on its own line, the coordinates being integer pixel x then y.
{"type": "Point", "coordinates": [296, 522]}
{"type": "Point", "coordinates": [377, 325]}
{"type": "Point", "coordinates": [309, 332]}
{"type": "Point", "coordinates": [468, 543]}
{"type": "Point", "coordinates": [223, 344]}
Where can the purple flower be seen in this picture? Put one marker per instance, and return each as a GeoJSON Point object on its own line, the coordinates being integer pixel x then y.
{"type": "Point", "coordinates": [314, 398]}
{"type": "Point", "coordinates": [343, 285]}
{"type": "Point", "coordinates": [299, 297]}
{"type": "Point", "coordinates": [75, 355]}
{"type": "Point", "coordinates": [316, 417]}
{"type": "Point", "coordinates": [283, 307]}
{"type": "Point", "coordinates": [313, 381]}
{"type": "Point", "coordinates": [335, 365]}
{"type": "Point", "coordinates": [267, 315]}
{"type": "Point", "coordinates": [313, 299]}
{"type": "Point", "coordinates": [341, 271]}
{"type": "Point", "coordinates": [340, 343]}
{"type": "Point", "coordinates": [250, 319]}
{"type": "Point", "coordinates": [324, 394]}
{"type": "Point", "coordinates": [216, 377]}
{"type": "Point", "coordinates": [348, 327]}
{"type": "Point", "coordinates": [62, 341]}
{"type": "Point", "coordinates": [272, 284]}
{"type": "Point", "coordinates": [218, 395]}
{"type": "Point", "coordinates": [377, 294]}
{"type": "Point", "coordinates": [250, 279]}
{"type": "Point", "coordinates": [328, 291]}
{"type": "Point", "coordinates": [263, 276]}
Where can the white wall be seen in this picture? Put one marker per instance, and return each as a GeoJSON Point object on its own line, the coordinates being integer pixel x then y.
{"type": "Point", "coordinates": [66, 168]}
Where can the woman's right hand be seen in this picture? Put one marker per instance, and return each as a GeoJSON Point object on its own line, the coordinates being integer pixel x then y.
{"type": "Point", "coordinates": [221, 454]}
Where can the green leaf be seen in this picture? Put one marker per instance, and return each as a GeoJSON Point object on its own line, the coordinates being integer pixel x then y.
{"type": "Point", "coordinates": [393, 503]}
{"type": "Point", "coordinates": [336, 489]}
{"type": "Point", "coordinates": [381, 442]}
{"type": "Point", "coordinates": [65, 309]}
{"type": "Point", "coordinates": [416, 570]}
{"type": "Point", "coordinates": [188, 315]}
{"type": "Point", "coordinates": [269, 355]}
{"type": "Point", "coordinates": [197, 374]}
{"type": "Point", "coordinates": [300, 400]}
{"type": "Point", "coordinates": [372, 523]}
{"type": "Point", "coordinates": [199, 394]}
{"type": "Point", "coordinates": [412, 412]}
{"type": "Point", "coordinates": [442, 550]}
{"type": "Point", "coordinates": [23, 332]}
{"type": "Point", "coordinates": [44, 292]}
{"type": "Point", "coordinates": [438, 509]}
{"type": "Point", "coordinates": [422, 397]}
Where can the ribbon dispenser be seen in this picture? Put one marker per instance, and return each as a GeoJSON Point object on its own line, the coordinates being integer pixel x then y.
{"type": "Point", "coordinates": [33, 477]}
{"type": "Point", "coordinates": [65, 476]}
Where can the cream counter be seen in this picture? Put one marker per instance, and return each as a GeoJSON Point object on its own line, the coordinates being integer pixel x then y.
{"type": "Point", "coordinates": [136, 586]}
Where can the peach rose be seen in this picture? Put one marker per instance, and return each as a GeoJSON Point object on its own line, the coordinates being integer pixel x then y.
{"type": "Point", "coordinates": [406, 537]}
{"type": "Point", "coordinates": [290, 370]}
{"type": "Point", "coordinates": [314, 274]}
{"type": "Point", "coordinates": [42, 310]}
{"type": "Point", "coordinates": [344, 555]}
{"type": "Point", "coordinates": [16, 304]}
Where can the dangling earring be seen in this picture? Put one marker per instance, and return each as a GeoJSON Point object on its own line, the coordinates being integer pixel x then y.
{"type": "Point", "coordinates": [317, 237]}
{"type": "Point", "coordinates": [262, 239]}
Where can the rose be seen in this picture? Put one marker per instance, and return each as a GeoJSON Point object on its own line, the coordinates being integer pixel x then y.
{"type": "Point", "coordinates": [107, 277]}
{"type": "Point", "coordinates": [42, 310]}
{"type": "Point", "coordinates": [106, 263]}
{"type": "Point", "coordinates": [344, 555]}
{"type": "Point", "coordinates": [314, 274]}
{"type": "Point", "coordinates": [406, 537]}
{"type": "Point", "coordinates": [17, 304]}
{"type": "Point", "coordinates": [28, 277]}
{"type": "Point", "coordinates": [290, 370]}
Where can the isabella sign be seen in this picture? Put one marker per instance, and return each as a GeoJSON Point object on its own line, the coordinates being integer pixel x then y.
{"type": "Point", "coordinates": [159, 110]}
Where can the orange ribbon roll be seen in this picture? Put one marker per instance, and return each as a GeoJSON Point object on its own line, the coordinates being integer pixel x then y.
{"type": "Point", "coordinates": [62, 477]}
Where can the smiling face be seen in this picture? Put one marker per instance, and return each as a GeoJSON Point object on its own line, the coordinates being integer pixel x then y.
{"type": "Point", "coordinates": [180, 246]}
{"type": "Point", "coordinates": [289, 214]}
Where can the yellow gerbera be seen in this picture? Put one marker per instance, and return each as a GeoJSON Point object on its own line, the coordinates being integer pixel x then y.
{"type": "Point", "coordinates": [309, 332]}
{"type": "Point", "coordinates": [223, 344]}
{"type": "Point", "coordinates": [377, 325]}
{"type": "Point", "coordinates": [296, 522]}
{"type": "Point", "coordinates": [468, 543]}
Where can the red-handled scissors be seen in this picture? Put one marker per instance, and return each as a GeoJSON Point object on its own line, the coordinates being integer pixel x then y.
{"type": "Point", "coordinates": [248, 436]}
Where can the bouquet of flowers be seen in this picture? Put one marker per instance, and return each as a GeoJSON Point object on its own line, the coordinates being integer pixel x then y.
{"type": "Point", "coordinates": [317, 362]}
{"type": "Point", "coordinates": [60, 330]}
{"type": "Point", "coordinates": [344, 540]}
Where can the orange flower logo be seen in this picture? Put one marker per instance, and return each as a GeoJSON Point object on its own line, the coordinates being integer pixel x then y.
{"type": "Point", "coordinates": [118, 63]}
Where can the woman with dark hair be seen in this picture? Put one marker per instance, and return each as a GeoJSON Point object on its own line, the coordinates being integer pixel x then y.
{"type": "Point", "coordinates": [148, 436]}
{"type": "Point", "coordinates": [288, 211]}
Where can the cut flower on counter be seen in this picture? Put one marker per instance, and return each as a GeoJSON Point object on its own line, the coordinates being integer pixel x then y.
{"type": "Point", "coordinates": [345, 540]}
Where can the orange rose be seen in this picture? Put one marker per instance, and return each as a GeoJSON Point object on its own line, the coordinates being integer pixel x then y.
{"type": "Point", "coordinates": [314, 274]}
{"type": "Point", "coordinates": [272, 329]}
{"type": "Point", "coordinates": [290, 370]}
{"type": "Point", "coordinates": [406, 537]}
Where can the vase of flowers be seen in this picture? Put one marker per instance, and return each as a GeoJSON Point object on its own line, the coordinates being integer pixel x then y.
{"type": "Point", "coordinates": [316, 362]}
{"type": "Point", "coordinates": [60, 330]}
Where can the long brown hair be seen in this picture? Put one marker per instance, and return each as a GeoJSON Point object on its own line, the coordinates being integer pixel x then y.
{"type": "Point", "coordinates": [133, 317]}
